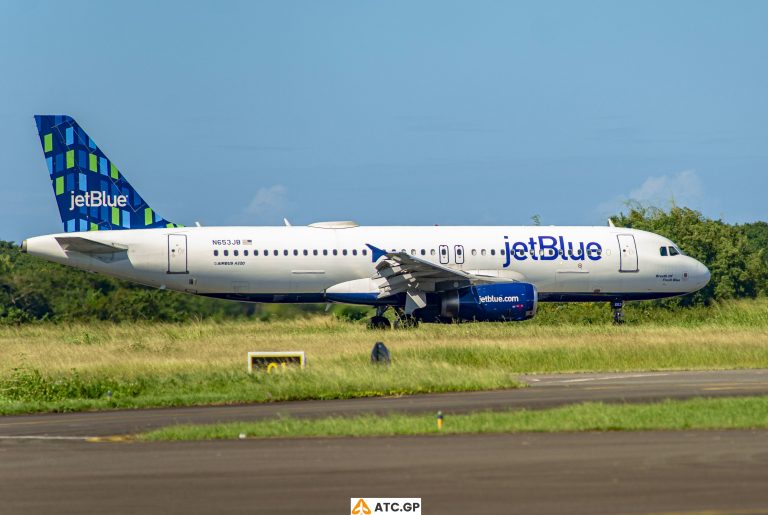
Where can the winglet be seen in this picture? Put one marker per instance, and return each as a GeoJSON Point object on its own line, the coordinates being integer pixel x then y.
{"type": "Point", "coordinates": [376, 252]}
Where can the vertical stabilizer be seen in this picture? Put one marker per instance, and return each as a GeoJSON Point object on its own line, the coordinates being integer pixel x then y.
{"type": "Point", "coordinates": [90, 191]}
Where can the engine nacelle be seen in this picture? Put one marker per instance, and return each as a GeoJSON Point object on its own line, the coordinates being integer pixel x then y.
{"type": "Point", "coordinates": [486, 302]}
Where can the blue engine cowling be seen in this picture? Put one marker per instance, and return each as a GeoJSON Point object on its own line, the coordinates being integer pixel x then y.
{"type": "Point", "coordinates": [487, 302]}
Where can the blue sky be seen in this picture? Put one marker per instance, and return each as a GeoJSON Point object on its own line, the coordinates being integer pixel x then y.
{"type": "Point", "coordinates": [393, 112]}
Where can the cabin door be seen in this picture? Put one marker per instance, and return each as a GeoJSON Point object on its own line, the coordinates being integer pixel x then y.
{"type": "Point", "coordinates": [177, 254]}
{"type": "Point", "coordinates": [628, 253]}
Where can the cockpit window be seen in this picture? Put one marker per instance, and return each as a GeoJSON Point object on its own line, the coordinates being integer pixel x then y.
{"type": "Point", "coordinates": [673, 251]}
{"type": "Point", "coordinates": [663, 251]}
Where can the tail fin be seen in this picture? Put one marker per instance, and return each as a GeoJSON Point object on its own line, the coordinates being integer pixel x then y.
{"type": "Point", "coordinates": [91, 193]}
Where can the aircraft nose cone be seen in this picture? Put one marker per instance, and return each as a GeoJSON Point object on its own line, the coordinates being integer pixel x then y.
{"type": "Point", "coordinates": [705, 274]}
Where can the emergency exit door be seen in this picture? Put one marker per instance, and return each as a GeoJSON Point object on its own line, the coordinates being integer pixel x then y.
{"type": "Point", "coordinates": [177, 254]}
{"type": "Point", "coordinates": [627, 253]}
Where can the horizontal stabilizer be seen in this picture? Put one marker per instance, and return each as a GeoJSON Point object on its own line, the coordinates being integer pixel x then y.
{"type": "Point", "coordinates": [86, 246]}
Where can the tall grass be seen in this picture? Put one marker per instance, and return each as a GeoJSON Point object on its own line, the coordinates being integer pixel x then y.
{"type": "Point", "coordinates": [80, 366]}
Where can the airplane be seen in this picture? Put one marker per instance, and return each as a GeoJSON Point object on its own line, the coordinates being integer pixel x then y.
{"type": "Point", "coordinates": [424, 274]}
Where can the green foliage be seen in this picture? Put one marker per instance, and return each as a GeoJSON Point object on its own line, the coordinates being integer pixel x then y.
{"type": "Point", "coordinates": [734, 254]}
{"type": "Point", "coordinates": [27, 383]}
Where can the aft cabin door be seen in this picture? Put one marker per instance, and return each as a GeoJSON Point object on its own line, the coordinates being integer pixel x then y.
{"type": "Point", "coordinates": [177, 254]}
{"type": "Point", "coordinates": [628, 253]}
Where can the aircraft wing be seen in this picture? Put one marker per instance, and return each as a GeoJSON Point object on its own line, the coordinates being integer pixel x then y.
{"type": "Point", "coordinates": [86, 246]}
{"type": "Point", "coordinates": [404, 272]}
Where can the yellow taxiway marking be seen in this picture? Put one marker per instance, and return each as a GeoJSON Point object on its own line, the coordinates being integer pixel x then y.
{"type": "Point", "coordinates": [110, 439]}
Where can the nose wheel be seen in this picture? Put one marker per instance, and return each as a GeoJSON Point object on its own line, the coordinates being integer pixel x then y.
{"type": "Point", "coordinates": [618, 311]}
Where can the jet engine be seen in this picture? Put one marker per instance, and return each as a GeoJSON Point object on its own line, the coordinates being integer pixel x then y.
{"type": "Point", "coordinates": [483, 303]}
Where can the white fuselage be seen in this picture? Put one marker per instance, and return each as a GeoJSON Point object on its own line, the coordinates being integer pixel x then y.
{"type": "Point", "coordinates": [300, 264]}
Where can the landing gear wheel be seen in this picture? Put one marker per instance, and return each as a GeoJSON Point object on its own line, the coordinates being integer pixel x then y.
{"type": "Point", "coordinates": [379, 322]}
{"type": "Point", "coordinates": [618, 311]}
{"type": "Point", "coordinates": [406, 322]}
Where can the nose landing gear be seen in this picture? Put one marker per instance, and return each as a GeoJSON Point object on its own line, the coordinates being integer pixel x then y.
{"type": "Point", "coordinates": [618, 311]}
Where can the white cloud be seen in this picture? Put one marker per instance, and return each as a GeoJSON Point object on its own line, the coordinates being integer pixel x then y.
{"type": "Point", "coordinates": [269, 202]}
{"type": "Point", "coordinates": [683, 188]}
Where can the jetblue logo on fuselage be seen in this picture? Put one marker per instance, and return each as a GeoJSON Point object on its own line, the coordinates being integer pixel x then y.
{"type": "Point", "coordinates": [97, 199]}
{"type": "Point", "coordinates": [550, 248]}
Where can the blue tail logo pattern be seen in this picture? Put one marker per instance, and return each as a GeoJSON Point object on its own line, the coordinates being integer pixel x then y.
{"type": "Point", "coordinates": [91, 192]}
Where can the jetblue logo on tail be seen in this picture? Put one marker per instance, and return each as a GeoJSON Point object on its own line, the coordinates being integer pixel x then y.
{"type": "Point", "coordinates": [550, 248]}
{"type": "Point", "coordinates": [97, 199]}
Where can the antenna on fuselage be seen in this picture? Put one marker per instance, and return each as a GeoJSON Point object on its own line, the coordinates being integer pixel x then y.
{"type": "Point", "coordinates": [610, 223]}
{"type": "Point", "coordinates": [286, 222]}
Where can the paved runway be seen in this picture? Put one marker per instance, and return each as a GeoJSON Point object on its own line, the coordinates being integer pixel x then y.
{"type": "Point", "coordinates": [571, 473]}
{"type": "Point", "coordinates": [544, 391]}
{"type": "Point", "coordinates": [716, 472]}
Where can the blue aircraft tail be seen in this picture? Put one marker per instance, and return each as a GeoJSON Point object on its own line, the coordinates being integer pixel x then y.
{"type": "Point", "coordinates": [91, 193]}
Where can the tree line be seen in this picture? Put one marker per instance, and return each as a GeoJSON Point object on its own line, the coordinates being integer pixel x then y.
{"type": "Point", "coordinates": [32, 289]}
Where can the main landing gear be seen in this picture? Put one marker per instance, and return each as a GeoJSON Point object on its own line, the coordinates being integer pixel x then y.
{"type": "Point", "coordinates": [379, 321]}
{"type": "Point", "coordinates": [618, 311]}
{"type": "Point", "coordinates": [403, 320]}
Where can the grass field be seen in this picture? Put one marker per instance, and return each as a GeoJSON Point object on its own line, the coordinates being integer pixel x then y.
{"type": "Point", "coordinates": [724, 413]}
{"type": "Point", "coordinates": [48, 367]}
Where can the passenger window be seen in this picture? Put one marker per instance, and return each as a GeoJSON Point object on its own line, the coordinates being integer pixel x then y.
{"type": "Point", "coordinates": [423, 252]}
{"type": "Point", "coordinates": [314, 252]}
{"type": "Point", "coordinates": [306, 253]}
{"type": "Point", "coordinates": [413, 252]}
{"type": "Point", "coordinates": [236, 253]}
{"type": "Point", "coordinates": [215, 252]}
{"type": "Point", "coordinates": [335, 252]}
{"type": "Point", "coordinates": [295, 252]}
{"type": "Point", "coordinates": [474, 252]}
{"type": "Point", "coordinates": [255, 252]}
{"type": "Point", "coordinates": [325, 252]}
{"type": "Point", "coordinates": [663, 251]}
{"type": "Point", "coordinates": [226, 253]}
{"type": "Point", "coordinates": [354, 252]}
{"type": "Point", "coordinates": [493, 252]}
{"type": "Point", "coordinates": [482, 252]}
{"type": "Point", "coordinates": [432, 252]}
{"type": "Point", "coordinates": [275, 252]}
{"type": "Point", "coordinates": [285, 252]}
{"type": "Point", "coordinates": [344, 252]}
{"type": "Point", "coordinates": [503, 252]}
{"type": "Point", "coordinates": [365, 252]}
{"type": "Point", "coordinates": [245, 253]}
{"type": "Point", "coordinates": [673, 251]}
